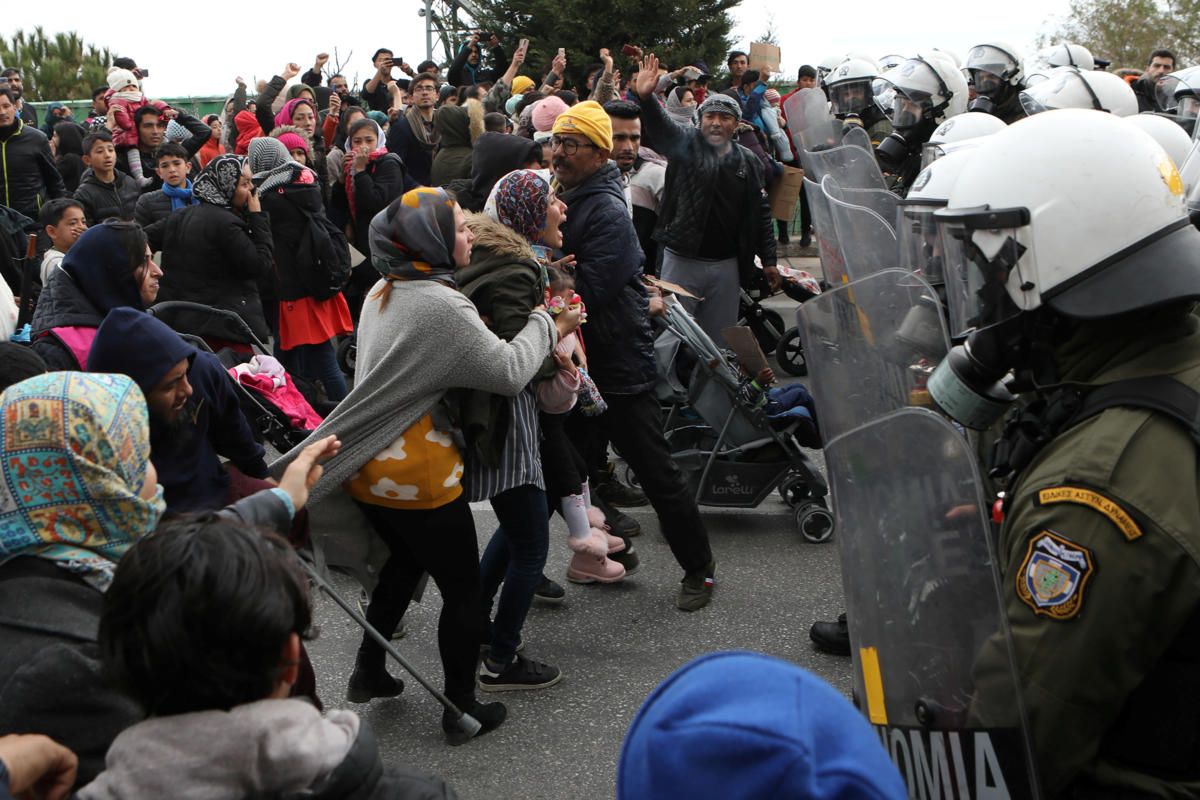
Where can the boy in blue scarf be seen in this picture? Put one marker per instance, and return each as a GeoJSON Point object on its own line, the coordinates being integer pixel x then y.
{"type": "Point", "coordinates": [173, 165]}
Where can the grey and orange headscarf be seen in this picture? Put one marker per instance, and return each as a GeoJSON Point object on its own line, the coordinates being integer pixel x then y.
{"type": "Point", "coordinates": [413, 238]}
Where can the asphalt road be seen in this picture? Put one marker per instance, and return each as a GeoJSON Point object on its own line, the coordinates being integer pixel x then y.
{"type": "Point", "coordinates": [614, 644]}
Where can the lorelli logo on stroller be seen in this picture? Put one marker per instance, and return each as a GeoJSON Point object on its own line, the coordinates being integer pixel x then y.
{"type": "Point", "coordinates": [732, 486]}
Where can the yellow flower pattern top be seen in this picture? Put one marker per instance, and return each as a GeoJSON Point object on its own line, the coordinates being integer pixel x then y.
{"type": "Point", "coordinates": [422, 468]}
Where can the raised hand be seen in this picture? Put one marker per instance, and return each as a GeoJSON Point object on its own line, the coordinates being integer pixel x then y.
{"type": "Point", "coordinates": [291, 70]}
{"type": "Point", "coordinates": [647, 78]}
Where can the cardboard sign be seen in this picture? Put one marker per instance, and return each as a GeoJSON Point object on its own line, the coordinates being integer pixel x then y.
{"type": "Point", "coordinates": [764, 56]}
{"type": "Point", "coordinates": [742, 342]}
{"type": "Point", "coordinates": [673, 288]}
{"type": "Point", "coordinates": [785, 193]}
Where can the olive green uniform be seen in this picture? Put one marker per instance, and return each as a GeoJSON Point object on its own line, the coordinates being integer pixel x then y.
{"type": "Point", "coordinates": [1100, 556]}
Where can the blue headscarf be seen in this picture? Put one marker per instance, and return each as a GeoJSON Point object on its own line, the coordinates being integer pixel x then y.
{"type": "Point", "coordinates": [101, 268]}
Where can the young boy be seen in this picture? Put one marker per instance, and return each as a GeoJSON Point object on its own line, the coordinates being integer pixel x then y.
{"type": "Point", "coordinates": [103, 191]}
{"type": "Point", "coordinates": [63, 220]}
{"type": "Point", "coordinates": [172, 165]}
{"type": "Point", "coordinates": [202, 625]}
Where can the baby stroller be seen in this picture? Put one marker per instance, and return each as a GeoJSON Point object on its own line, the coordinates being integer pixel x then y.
{"type": "Point", "coordinates": [733, 455]}
{"type": "Point", "coordinates": [200, 324]}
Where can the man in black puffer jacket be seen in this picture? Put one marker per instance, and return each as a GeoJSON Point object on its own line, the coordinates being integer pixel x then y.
{"type": "Point", "coordinates": [28, 176]}
{"type": "Point", "coordinates": [715, 217]}
{"type": "Point", "coordinates": [599, 232]}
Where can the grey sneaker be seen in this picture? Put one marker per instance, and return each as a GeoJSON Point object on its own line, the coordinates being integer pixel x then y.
{"type": "Point", "coordinates": [522, 673]}
{"type": "Point", "coordinates": [697, 588]}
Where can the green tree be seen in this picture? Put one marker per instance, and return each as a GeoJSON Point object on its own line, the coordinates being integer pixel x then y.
{"type": "Point", "coordinates": [1126, 31]}
{"type": "Point", "coordinates": [61, 67]}
{"type": "Point", "coordinates": [678, 31]}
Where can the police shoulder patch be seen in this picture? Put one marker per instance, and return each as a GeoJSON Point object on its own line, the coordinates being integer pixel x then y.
{"type": "Point", "coordinates": [1053, 575]}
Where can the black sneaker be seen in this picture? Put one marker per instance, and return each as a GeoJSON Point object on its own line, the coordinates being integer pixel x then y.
{"type": "Point", "coordinates": [489, 715]}
{"type": "Point", "coordinates": [621, 524]}
{"type": "Point", "coordinates": [549, 592]}
{"type": "Point", "coordinates": [522, 673]}
{"type": "Point", "coordinates": [615, 493]}
{"type": "Point", "coordinates": [626, 558]}
{"type": "Point", "coordinates": [831, 637]}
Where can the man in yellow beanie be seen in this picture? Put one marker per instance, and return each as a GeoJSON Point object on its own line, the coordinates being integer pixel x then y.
{"type": "Point", "coordinates": [521, 84]}
{"type": "Point", "coordinates": [599, 232]}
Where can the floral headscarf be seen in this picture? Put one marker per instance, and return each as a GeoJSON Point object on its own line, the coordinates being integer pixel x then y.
{"type": "Point", "coordinates": [217, 182]}
{"type": "Point", "coordinates": [519, 201]}
{"type": "Point", "coordinates": [73, 459]}
{"type": "Point", "coordinates": [413, 238]}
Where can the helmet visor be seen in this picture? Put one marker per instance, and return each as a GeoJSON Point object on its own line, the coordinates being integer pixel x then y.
{"type": "Point", "coordinates": [980, 263]}
{"type": "Point", "coordinates": [850, 97]}
{"type": "Point", "coordinates": [1065, 88]}
{"type": "Point", "coordinates": [991, 59]}
{"type": "Point", "coordinates": [1165, 89]}
{"type": "Point", "coordinates": [920, 239]}
{"type": "Point", "coordinates": [985, 81]}
{"type": "Point", "coordinates": [907, 111]}
{"type": "Point", "coordinates": [1189, 107]}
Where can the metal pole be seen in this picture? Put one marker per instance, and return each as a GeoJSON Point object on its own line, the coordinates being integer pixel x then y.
{"type": "Point", "coordinates": [429, 30]}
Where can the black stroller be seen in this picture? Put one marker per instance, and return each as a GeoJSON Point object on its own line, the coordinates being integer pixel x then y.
{"type": "Point", "coordinates": [733, 455]}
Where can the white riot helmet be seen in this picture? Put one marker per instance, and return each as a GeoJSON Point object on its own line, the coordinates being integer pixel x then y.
{"type": "Point", "coordinates": [1070, 87]}
{"type": "Point", "coordinates": [968, 127]}
{"type": "Point", "coordinates": [1168, 134]}
{"type": "Point", "coordinates": [826, 65]}
{"type": "Point", "coordinates": [850, 86]}
{"type": "Point", "coordinates": [1035, 69]}
{"type": "Point", "coordinates": [1038, 221]}
{"type": "Point", "coordinates": [1180, 92]}
{"type": "Point", "coordinates": [995, 72]}
{"type": "Point", "coordinates": [1069, 54]}
{"type": "Point", "coordinates": [928, 91]}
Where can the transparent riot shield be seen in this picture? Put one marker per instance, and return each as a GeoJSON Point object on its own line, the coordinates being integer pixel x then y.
{"type": "Point", "coordinates": [933, 666]}
{"type": "Point", "coordinates": [827, 146]}
{"type": "Point", "coordinates": [810, 124]}
{"type": "Point", "coordinates": [828, 249]}
{"type": "Point", "coordinates": [867, 241]}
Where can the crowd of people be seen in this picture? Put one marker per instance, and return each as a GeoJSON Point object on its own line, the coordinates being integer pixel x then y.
{"type": "Point", "coordinates": [457, 232]}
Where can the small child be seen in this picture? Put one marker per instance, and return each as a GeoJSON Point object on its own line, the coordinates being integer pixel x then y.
{"type": "Point", "coordinates": [63, 220]}
{"type": "Point", "coordinates": [123, 103]}
{"type": "Point", "coordinates": [103, 190]}
{"type": "Point", "coordinates": [786, 404]}
{"type": "Point", "coordinates": [173, 166]}
{"type": "Point", "coordinates": [588, 534]}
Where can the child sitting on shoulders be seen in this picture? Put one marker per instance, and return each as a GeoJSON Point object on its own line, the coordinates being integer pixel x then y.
{"type": "Point", "coordinates": [123, 103]}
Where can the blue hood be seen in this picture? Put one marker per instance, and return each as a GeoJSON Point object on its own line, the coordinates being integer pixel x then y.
{"type": "Point", "coordinates": [100, 267]}
{"type": "Point", "coordinates": [133, 343]}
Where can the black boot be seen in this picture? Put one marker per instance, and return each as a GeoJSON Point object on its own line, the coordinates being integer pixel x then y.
{"type": "Point", "coordinates": [622, 524]}
{"type": "Point", "coordinates": [371, 679]}
{"type": "Point", "coordinates": [831, 637]}
{"type": "Point", "coordinates": [489, 715]}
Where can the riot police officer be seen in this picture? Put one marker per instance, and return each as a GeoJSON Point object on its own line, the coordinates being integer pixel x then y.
{"type": "Point", "coordinates": [852, 95]}
{"type": "Point", "coordinates": [928, 91]}
{"type": "Point", "coordinates": [995, 70]}
{"type": "Point", "coordinates": [1083, 283]}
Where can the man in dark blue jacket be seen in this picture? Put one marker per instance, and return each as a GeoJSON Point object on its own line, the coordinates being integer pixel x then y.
{"type": "Point", "coordinates": [195, 418]}
{"type": "Point", "coordinates": [599, 232]}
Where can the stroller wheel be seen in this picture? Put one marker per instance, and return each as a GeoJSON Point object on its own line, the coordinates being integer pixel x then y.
{"type": "Point", "coordinates": [815, 522]}
{"type": "Point", "coordinates": [790, 353]}
{"type": "Point", "coordinates": [768, 328]}
{"type": "Point", "coordinates": [347, 354]}
{"type": "Point", "coordinates": [793, 490]}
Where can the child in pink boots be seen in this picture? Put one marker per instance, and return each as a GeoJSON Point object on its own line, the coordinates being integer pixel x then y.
{"type": "Point", "coordinates": [123, 103]}
{"type": "Point", "coordinates": [562, 465]}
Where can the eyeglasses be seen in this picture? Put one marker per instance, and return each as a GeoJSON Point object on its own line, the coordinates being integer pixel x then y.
{"type": "Point", "coordinates": [426, 87]}
{"type": "Point", "coordinates": [569, 146]}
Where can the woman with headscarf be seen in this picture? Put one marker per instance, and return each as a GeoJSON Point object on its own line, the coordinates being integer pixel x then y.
{"type": "Point", "coordinates": [681, 105]}
{"type": "Point", "coordinates": [78, 489]}
{"type": "Point", "coordinates": [458, 127]}
{"type": "Point", "coordinates": [506, 280]}
{"type": "Point", "coordinates": [335, 159]}
{"type": "Point", "coordinates": [220, 251]}
{"type": "Point", "coordinates": [401, 463]}
{"type": "Point", "coordinates": [213, 147]}
{"type": "Point", "coordinates": [108, 266]}
{"type": "Point", "coordinates": [310, 314]}
{"type": "Point", "coordinates": [371, 179]}
{"type": "Point", "coordinates": [299, 115]}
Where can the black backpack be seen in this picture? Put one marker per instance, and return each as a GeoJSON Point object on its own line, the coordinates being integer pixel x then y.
{"type": "Point", "coordinates": [322, 256]}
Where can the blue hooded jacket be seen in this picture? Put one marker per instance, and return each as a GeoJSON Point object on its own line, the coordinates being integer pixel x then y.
{"type": "Point", "coordinates": [133, 343]}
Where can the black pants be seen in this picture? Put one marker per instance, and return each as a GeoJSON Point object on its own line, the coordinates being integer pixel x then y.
{"type": "Point", "coordinates": [634, 425]}
{"type": "Point", "coordinates": [440, 541]}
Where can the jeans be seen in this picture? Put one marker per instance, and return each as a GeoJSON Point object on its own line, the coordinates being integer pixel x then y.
{"type": "Point", "coordinates": [440, 541]}
{"type": "Point", "coordinates": [634, 424]}
{"type": "Point", "coordinates": [317, 362]}
{"type": "Point", "coordinates": [515, 555]}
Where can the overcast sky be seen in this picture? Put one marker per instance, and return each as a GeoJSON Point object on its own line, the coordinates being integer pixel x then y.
{"type": "Point", "coordinates": [199, 49]}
